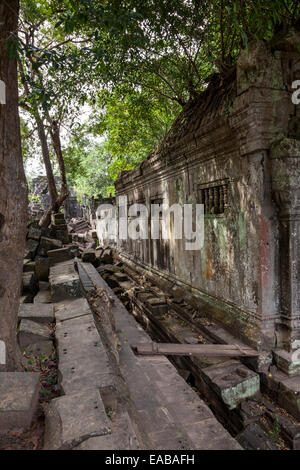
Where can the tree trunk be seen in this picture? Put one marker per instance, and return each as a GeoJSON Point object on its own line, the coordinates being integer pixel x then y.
{"type": "Point", "coordinates": [56, 142]}
{"type": "Point", "coordinates": [55, 136]}
{"type": "Point", "coordinates": [13, 194]}
{"type": "Point", "coordinates": [47, 162]}
{"type": "Point", "coordinates": [46, 219]}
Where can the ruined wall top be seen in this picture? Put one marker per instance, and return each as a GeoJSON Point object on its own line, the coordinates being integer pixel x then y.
{"type": "Point", "coordinates": [263, 77]}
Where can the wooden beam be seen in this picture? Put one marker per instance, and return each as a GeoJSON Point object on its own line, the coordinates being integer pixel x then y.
{"type": "Point", "coordinates": [213, 350]}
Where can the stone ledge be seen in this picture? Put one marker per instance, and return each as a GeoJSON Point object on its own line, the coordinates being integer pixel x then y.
{"type": "Point", "coordinates": [72, 419]}
{"type": "Point", "coordinates": [71, 309]}
{"type": "Point", "coordinates": [42, 313]}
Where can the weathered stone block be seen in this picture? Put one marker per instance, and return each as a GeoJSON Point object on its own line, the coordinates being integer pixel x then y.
{"type": "Point", "coordinates": [42, 348]}
{"type": "Point", "coordinates": [29, 267]}
{"type": "Point", "coordinates": [31, 332]}
{"type": "Point", "coordinates": [72, 419]}
{"type": "Point", "coordinates": [253, 437]}
{"type": "Point", "coordinates": [109, 268]}
{"type": "Point", "coordinates": [88, 256]}
{"type": "Point", "coordinates": [42, 266]}
{"type": "Point", "coordinates": [19, 392]}
{"type": "Point", "coordinates": [56, 217]}
{"type": "Point", "coordinates": [29, 283]}
{"type": "Point", "coordinates": [83, 362]}
{"type": "Point", "coordinates": [44, 294]}
{"type": "Point", "coordinates": [64, 281]}
{"type": "Point", "coordinates": [34, 233]}
{"type": "Point", "coordinates": [122, 277]}
{"type": "Point", "coordinates": [284, 361]}
{"type": "Point", "coordinates": [30, 249]}
{"type": "Point", "coordinates": [72, 309]}
{"type": "Point", "coordinates": [232, 381]}
{"type": "Point", "coordinates": [62, 233]}
{"type": "Point", "coordinates": [124, 439]}
{"type": "Point", "coordinates": [47, 244]}
{"type": "Point", "coordinates": [107, 256]}
{"type": "Point", "coordinates": [26, 299]}
{"type": "Point", "coordinates": [289, 395]}
{"type": "Point", "coordinates": [60, 255]}
{"type": "Point", "coordinates": [42, 313]}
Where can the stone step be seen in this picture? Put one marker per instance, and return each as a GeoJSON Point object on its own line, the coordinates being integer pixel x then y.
{"type": "Point", "coordinates": [19, 393]}
{"type": "Point", "coordinates": [284, 361]}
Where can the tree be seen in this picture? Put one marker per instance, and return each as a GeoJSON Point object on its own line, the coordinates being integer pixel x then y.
{"type": "Point", "coordinates": [171, 48]}
{"type": "Point", "coordinates": [48, 62]}
{"type": "Point", "coordinates": [13, 189]}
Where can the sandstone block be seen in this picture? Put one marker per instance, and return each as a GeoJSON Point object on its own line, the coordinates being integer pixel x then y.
{"type": "Point", "coordinates": [19, 392]}
{"type": "Point", "coordinates": [47, 244]}
{"type": "Point", "coordinates": [88, 256]}
{"type": "Point", "coordinates": [42, 266]}
{"type": "Point", "coordinates": [72, 419]}
{"type": "Point", "coordinates": [31, 332]}
{"type": "Point", "coordinates": [60, 255]}
{"type": "Point", "coordinates": [41, 313]}
{"type": "Point", "coordinates": [29, 283]}
{"type": "Point", "coordinates": [42, 348]}
{"type": "Point", "coordinates": [31, 249]}
{"type": "Point", "coordinates": [64, 281]}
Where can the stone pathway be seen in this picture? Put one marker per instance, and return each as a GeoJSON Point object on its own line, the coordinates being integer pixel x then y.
{"type": "Point", "coordinates": [164, 409]}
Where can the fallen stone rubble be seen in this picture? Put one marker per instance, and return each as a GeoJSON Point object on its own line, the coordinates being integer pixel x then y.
{"type": "Point", "coordinates": [109, 397]}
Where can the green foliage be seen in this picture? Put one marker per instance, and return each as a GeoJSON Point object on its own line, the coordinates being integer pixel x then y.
{"type": "Point", "coordinates": [170, 48]}
{"type": "Point", "coordinates": [132, 123]}
{"type": "Point", "coordinates": [87, 166]}
{"type": "Point", "coordinates": [136, 63]}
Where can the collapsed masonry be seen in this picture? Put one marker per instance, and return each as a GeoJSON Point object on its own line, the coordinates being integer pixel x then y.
{"type": "Point", "coordinates": [237, 151]}
{"type": "Point", "coordinates": [40, 199]}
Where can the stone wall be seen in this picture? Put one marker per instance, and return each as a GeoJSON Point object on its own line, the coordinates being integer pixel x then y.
{"type": "Point", "coordinates": [237, 150]}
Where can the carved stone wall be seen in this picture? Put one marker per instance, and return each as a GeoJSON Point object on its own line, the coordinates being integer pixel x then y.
{"type": "Point", "coordinates": [231, 151]}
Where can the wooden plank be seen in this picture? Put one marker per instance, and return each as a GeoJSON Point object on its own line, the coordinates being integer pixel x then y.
{"type": "Point", "coordinates": [213, 350]}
